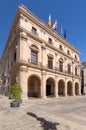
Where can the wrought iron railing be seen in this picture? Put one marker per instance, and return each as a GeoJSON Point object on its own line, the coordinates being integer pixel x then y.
{"type": "Point", "coordinates": [39, 64]}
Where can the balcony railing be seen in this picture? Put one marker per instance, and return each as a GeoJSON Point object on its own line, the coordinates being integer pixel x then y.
{"type": "Point", "coordinates": [39, 64]}
{"type": "Point", "coordinates": [34, 63]}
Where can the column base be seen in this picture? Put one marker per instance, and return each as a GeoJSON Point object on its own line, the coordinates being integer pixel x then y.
{"type": "Point", "coordinates": [43, 97]}
{"type": "Point", "coordinates": [56, 96]}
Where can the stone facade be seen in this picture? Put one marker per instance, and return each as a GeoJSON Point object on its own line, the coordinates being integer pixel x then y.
{"type": "Point", "coordinates": [39, 59]}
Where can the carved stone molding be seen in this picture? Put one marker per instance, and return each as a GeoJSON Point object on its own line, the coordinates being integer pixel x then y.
{"type": "Point", "coordinates": [43, 46]}
{"type": "Point", "coordinates": [43, 73]}
{"type": "Point", "coordinates": [23, 36]}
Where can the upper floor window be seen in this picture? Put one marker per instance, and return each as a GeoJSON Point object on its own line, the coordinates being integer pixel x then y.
{"type": "Point", "coordinates": [68, 52]}
{"type": "Point", "coordinates": [75, 57]}
{"type": "Point", "coordinates": [34, 31]}
{"type": "Point", "coordinates": [14, 57]}
{"type": "Point", "coordinates": [69, 69]}
{"type": "Point", "coordinates": [60, 47]}
{"type": "Point", "coordinates": [34, 57]}
{"type": "Point", "coordinates": [50, 62]}
{"type": "Point", "coordinates": [50, 40]}
{"type": "Point", "coordinates": [75, 71]}
{"type": "Point", "coordinates": [34, 54]}
{"type": "Point", "coordinates": [61, 66]}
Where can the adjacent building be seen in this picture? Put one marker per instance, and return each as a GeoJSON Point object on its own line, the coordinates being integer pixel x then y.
{"type": "Point", "coordinates": [39, 59]}
{"type": "Point", "coordinates": [83, 80]}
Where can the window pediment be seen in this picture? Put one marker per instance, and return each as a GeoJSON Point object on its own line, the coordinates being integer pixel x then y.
{"type": "Point", "coordinates": [35, 48]}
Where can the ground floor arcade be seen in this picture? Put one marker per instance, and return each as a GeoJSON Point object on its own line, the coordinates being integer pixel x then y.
{"type": "Point", "coordinates": [51, 87]}
{"type": "Point", "coordinates": [44, 85]}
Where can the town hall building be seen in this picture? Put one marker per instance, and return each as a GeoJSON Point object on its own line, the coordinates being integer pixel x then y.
{"type": "Point", "coordinates": [39, 59]}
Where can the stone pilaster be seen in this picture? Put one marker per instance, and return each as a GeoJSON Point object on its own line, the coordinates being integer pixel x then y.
{"type": "Point", "coordinates": [44, 56]}
{"type": "Point", "coordinates": [23, 46]}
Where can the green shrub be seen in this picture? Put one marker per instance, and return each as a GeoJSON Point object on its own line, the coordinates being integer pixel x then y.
{"type": "Point", "coordinates": [15, 91]}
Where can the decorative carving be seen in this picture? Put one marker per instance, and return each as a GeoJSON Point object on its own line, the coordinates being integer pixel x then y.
{"type": "Point", "coordinates": [23, 36]}
{"type": "Point", "coordinates": [21, 16]}
{"type": "Point", "coordinates": [43, 73]}
{"type": "Point", "coordinates": [43, 46]}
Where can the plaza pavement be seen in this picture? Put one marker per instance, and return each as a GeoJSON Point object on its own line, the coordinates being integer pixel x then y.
{"type": "Point", "coordinates": [64, 113]}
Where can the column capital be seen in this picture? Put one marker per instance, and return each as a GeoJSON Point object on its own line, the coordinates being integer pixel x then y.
{"type": "Point", "coordinates": [43, 72]}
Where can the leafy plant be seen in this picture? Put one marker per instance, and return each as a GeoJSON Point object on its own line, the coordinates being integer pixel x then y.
{"type": "Point", "coordinates": [15, 91]}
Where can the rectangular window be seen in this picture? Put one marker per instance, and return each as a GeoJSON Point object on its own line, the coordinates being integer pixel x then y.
{"type": "Point", "coordinates": [75, 57]}
{"type": "Point", "coordinates": [76, 72]}
{"type": "Point", "coordinates": [60, 47]}
{"type": "Point", "coordinates": [61, 66]}
{"type": "Point", "coordinates": [68, 52]}
{"type": "Point", "coordinates": [15, 57]}
{"type": "Point", "coordinates": [34, 31]}
{"type": "Point", "coordinates": [69, 69]}
{"type": "Point", "coordinates": [50, 63]}
{"type": "Point", "coordinates": [34, 57]}
{"type": "Point", "coordinates": [50, 40]}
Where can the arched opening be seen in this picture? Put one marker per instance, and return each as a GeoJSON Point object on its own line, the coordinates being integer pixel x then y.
{"type": "Point", "coordinates": [76, 89]}
{"type": "Point", "coordinates": [34, 86]}
{"type": "Point", "coordinates": [61, 88]}
{"type": "Point", "coordinates": [69, 88]}
{"type": "Point", "coordinates": [50, 87]}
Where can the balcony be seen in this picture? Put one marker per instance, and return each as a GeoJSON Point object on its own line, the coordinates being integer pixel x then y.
{"type": "Point", "coordinates": [36, 63]}
{"type": "Point", "coordinates": [39, 65]}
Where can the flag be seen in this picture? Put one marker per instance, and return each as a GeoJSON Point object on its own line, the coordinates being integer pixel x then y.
{"type": "Point", "coordinates": [65, 34]}
{"type": "Point", "coordinates": [61, 30]}
{"type": "Point", "coordinates": [49, 20]}
{"type": "Point", "coordinates": [55, 25]}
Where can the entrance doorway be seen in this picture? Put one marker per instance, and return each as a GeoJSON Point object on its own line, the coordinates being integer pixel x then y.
{"type": "Point", "coordinates": [33, 86]}
{"type": "Point", "coordinates": [48, 90]}
{"type": "Point", "coordinates": [50, 87]}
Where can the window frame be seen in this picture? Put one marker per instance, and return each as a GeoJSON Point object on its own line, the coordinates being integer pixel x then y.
{"type": "Point", "coordinates": [34, 31]}
{"type": "Point", "coordinates": [50, 62]}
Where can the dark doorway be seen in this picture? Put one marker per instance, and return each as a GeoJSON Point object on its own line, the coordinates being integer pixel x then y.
{"type": "Point", "coordinates": [48, 89]}
{"type": "Point", "coordinates": [33, 86]}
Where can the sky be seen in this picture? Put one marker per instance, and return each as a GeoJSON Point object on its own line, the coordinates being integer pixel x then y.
{"type": "Point", "coordinates": [71, 14]}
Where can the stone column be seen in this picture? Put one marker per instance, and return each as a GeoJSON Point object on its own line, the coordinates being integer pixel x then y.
{"type": "Point", "coordinates": [56, 87]}
{"type": "Point", "coordinates": [43, 85]}
{"type": "Point", "coordinates": [23, 81]}
{"type": "Point", "coordinates": [73, 88]}
{"type": "Point", "coordinates": [65, 93]}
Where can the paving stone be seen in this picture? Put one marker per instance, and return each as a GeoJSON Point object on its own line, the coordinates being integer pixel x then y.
{"type": "Point", "coordinates": [44, 114]}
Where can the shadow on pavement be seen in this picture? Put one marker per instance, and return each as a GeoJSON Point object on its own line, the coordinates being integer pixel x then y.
{"type": "Point", "coordinates": [46, 125]}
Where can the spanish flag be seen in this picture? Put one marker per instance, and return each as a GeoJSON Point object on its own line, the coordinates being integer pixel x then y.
{"type": "Point", "coordinates": [55, 25]}
{"type": "Point", "coordinates": [49, 21]}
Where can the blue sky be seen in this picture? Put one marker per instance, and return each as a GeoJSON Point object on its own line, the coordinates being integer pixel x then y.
{"type": "Point", "coordinates": [70, 13]}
